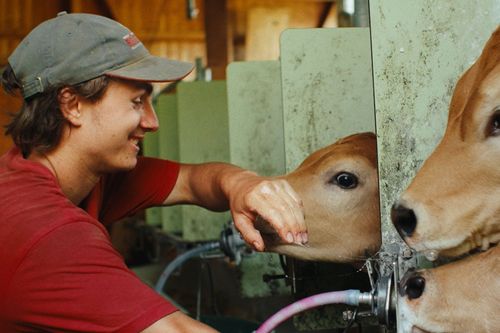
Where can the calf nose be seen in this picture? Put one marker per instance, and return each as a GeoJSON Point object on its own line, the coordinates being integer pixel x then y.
{"type": "Point", "coordinates": [413, 286]}
{"type": "Point", "coordinates": [404, 220]}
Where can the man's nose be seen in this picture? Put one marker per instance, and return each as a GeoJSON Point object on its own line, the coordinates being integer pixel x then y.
{"type": "Point", "coordinates": [149, 120]}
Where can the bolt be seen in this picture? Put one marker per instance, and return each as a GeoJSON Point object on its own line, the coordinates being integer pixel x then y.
{"type": "Point", "coordinates": [407, 253]}
{"type": "Point", "coordinates": [347, 315]}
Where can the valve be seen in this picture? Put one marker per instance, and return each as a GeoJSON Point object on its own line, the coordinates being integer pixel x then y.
{"type": "Point", "coordinates": [232, 244]}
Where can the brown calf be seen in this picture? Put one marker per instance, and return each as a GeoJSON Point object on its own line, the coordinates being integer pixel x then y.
{"type": "Point", "coordinates": [338, 186]}
{"type": "Point", "coordinates": [459, 297]}
{"type": "Point", "coordinates": [452, 206]}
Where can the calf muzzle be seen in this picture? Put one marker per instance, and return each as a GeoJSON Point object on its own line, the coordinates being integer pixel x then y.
{"type": "Point", "coordinates": [404, 220]}
{"type": "Point", "coordinates": [412, 285]}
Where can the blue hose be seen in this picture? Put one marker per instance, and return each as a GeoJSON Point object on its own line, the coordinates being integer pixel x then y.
{"type": "Point", "coordinates": [177, 262]}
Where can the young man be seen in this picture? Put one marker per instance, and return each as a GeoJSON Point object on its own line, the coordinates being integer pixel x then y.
{"type": "Point", "coordinates": [86, 84]}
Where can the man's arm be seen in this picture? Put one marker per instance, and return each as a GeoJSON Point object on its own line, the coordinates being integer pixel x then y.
{"type": "Point", "coordinates": [221, 186]}
{"type": "Point", "coordinates": [178, 322]}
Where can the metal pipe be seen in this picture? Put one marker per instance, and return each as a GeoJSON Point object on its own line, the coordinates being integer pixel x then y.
{"type": "Point", "coordinates": [177, 262]}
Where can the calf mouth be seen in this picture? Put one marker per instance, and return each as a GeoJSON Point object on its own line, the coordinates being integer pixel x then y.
{"type": "Point", "coordinates": [471, 246]}
{"type": "Point", "coordinates": [272, 240]}
{"type": "Point", "coordinates": [416, 329]}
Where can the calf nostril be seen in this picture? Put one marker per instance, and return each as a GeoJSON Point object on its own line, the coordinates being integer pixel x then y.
{"type": "Point", "coordinates": [414, 287]}
{"type": "Point", "coordinates": [404, 220]}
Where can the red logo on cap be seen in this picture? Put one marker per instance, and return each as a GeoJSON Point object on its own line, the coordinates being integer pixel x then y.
{"type": "Point", "coordinates": [131, 40]}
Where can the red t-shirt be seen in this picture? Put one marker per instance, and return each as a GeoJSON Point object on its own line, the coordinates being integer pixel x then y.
{"type": "Point", "coordinates": [58, 269]}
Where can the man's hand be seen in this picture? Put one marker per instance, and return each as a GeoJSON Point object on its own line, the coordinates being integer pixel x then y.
{"type": "Point", "coordinates": [273, 199]}
{"type": "Point", "coordinates": [219, 186]}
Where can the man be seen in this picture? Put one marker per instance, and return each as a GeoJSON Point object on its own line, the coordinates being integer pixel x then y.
{"type": "Point", "coordinates": [86, 84]}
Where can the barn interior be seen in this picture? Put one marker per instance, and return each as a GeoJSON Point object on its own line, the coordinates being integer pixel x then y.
{"type": "Point", "coordinates": [273, 82]}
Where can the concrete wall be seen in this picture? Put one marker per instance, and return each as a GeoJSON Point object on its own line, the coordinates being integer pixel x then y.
{"type": "Point", "coordinates": [420, 49]}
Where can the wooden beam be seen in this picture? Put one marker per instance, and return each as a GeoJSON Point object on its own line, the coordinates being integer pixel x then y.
{"type": "Point", "coordinates": [65, 5]}
{"type": "Point", "coordinates": [155, 13]}
{"type": "Point", "coordinates": [188, 36]}
{"type": "Point", "coordinates": [217, 37]}
{"type": "Point", "coordinates": [99, 7]}
{"type": "Point", "coordinates": [264, 27]}
{"type": "Point", "coordinates": [327, 7]}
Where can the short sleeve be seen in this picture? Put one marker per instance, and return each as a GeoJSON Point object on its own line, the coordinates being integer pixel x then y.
{"type": "Point", "coordinates": [73, 280]}
{"type": "Point", "coordinates": [147, 185]}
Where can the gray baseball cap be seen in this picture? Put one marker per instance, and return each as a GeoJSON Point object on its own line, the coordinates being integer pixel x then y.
{"type": "Point", "coordinates": [73, 48]}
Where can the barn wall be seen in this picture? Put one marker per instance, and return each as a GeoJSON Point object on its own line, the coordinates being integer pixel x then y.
{"type": "Point", "coordinates": [420, 49]}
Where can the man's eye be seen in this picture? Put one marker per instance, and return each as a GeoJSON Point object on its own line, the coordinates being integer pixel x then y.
{"type": "Point", "coordinates": [345, 180]}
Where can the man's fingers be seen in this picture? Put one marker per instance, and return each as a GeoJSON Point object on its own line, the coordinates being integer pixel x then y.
{"type": "Point", "coordinates": [289, 189]}
{"type": "Point", "coordinates": [248, 232]}
{"type": "Point", "coordinates": [281, 207]}
{"type": "Point", "coordinates": [295, 205]}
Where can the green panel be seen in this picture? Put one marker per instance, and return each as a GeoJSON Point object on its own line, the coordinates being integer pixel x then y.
{"type": "Point", "coordinates": [164, 144]}
{"type": "Point", "coordinates": [256, 143]}
{"type": "Point", "coordinates": [151, 149]}
{"type": "Point", "coordinates": [166, 107]}
{"type": "Point", "coordinates": [327, 88]}
{"type": "Point", "coordinates": [327, 94]}
{"type": "Point", "coordinates": [420, 48]}
{"type": "Point", "coordinates": [256, 116]}
{"type": "Point", "coordinates": [203, 137]}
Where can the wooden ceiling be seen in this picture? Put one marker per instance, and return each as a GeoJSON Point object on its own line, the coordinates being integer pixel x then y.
{"type": "Point", "coordinates": [222, 31]}
{"type": "Point", "coordinates": [163, 25]}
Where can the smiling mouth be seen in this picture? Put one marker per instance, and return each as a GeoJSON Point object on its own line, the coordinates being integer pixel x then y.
{"type": "Point", "coordinates": [135, 142]}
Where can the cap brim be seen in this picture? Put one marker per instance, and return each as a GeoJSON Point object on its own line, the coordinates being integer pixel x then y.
{"type": "Point", "coordinates": [153, 69]}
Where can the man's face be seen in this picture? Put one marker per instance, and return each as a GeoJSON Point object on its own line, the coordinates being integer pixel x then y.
{"type": "Point", "coordinates": [113, 127]}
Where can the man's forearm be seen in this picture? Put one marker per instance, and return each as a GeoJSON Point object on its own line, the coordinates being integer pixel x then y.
{"type": "Point", "coordinates": [207, 185]}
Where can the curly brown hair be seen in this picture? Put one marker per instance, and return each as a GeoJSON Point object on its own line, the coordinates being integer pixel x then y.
{"type": "Point", "coordinates": [39, 123]}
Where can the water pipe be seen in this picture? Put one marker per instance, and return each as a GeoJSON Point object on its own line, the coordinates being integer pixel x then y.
{"type": "Point", "coordinates": [349, 297]}
{"type": "Point", "coordinates": [177, 262]}
{"type": "Point", "coordinates": [230, 243]}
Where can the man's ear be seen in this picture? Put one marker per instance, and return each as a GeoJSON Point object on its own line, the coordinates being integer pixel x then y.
{"type": "Point", "coordinates": [70, 106]}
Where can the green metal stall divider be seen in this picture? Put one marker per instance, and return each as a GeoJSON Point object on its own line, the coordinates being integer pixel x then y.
{"type": "Point", "coordinates": [165, 144]}
{"type": "Point", "coordinates": [256, 143]}
{"type": "Point", "coordinates": [193, 129]}
{"type": "Point", "coordinates": [327, 88]}
{"type": "Point", "coordinates": [327, 94]}
{"type": "Point", "coordinates": [203, 137]}
{"type": "Point", "coordinates": [420, 48]}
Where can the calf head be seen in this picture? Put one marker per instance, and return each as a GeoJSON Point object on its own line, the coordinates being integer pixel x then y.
{"type": "Point", "coordinates": [458, 297]}
{"type": "Point", "coordinates": [338, 186]}
{"type": "Point", "coordinates": [452, 205]}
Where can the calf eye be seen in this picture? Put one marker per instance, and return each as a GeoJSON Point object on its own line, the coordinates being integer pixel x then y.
{"type": "Point", "coordinates": [493, 128]}
{"type": "Point", "coordinates": [345, 180]}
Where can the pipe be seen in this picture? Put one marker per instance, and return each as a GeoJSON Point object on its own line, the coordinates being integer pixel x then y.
{"type": "Point", "coordinates": [350, 297]}
{"type": "Point", "coordinates": [177, 262]}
